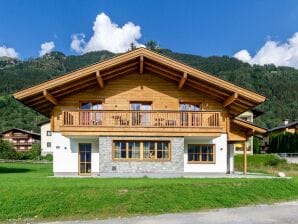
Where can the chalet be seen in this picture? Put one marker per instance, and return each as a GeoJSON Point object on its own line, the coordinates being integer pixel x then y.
{"type": "Point", "coordinates": [290, 127]}
{"type": "Point", "coordinates": [22, 140]}
{"type": "Point", "coordinates": [143, 114]}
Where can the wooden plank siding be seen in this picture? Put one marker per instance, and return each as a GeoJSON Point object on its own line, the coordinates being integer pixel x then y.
{"type": "Point", "coordinates": [119, 93]}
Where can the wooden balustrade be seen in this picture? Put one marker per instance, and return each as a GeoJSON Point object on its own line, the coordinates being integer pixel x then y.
{"type": "Point", "coordinates": [151, 118]}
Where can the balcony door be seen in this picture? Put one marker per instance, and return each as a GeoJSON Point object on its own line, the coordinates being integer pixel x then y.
{"type": "Point", "coordinates": [141, 114]}
{"type": "Point", "coordinates": [189, 115]}
{"type": "Point", "coordinates": [84, 158]}
{"type": "Point", "coordinates": [91, 113]}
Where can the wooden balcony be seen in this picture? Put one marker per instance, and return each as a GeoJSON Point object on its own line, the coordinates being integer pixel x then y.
{"type": "Point", "coordinates": [144, 121]}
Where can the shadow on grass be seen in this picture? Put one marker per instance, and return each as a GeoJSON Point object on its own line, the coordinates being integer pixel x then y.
{"type": "Point", "coordinates": [13, 170]}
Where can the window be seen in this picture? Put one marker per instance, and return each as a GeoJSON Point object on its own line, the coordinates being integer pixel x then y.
{"type": "Point", "coordinates": [141, 150]}
{"type": "Point", "coordinates": [49, 144]}
{"type": "Point", "coordinates": [91, 106]}
{"type": "Point", "coordinates": [201, 153]}
{"type": "Point", "coordinates": [49, 133]}
{"type": "Point", "coordinates": [141, 118]}
{"type": "Point", "coordinates": [189, 115]}
{"type": "Point", "coordinates": [92, 114]}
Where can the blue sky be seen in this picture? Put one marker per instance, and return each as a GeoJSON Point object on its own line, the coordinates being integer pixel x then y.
{"type": "Point", "coordinates": [211, 27]}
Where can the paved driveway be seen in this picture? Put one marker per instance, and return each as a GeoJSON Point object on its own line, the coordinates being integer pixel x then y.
{"type": "Point", "coordinates": [281, 213]}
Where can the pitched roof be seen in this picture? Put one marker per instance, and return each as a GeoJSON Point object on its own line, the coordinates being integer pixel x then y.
{"type": "Point", "coordinates": [249, 125]}
{"type": "Point", "coordinates": [21, 130]}
{"type": "Point", "coordinates": [294, 123]}
{"type": "Point", "coordinates": [44, 96]}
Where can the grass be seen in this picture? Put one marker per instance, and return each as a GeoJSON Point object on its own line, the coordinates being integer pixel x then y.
{"type": "Point", "coordinates": [27, 193]}
{"type": "Point", "coordinates": [264, 163]}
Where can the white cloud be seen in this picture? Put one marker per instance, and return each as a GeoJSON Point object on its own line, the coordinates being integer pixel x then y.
{"type": "Point", "coordinates": [78, 42]}
{"type": "Point", "coordinates": [107, 36]}
{"type": "Point", "coordinates": [273, 52]}
{"type": "Point", "coordinates": [8, 52]}
{"type": "Point", "coordinates": [243, 55]}
{"type": "Point", "coordinates": [46, 47]}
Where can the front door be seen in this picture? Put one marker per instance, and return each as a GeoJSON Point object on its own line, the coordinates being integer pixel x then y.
{"type": "Point", "coordinates": [84, 159]}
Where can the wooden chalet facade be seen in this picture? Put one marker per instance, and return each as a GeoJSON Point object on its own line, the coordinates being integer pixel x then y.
{"type": "Point", "coordinates": [22, 140]}
{"type": "Point", "coordinates": [142, 113]}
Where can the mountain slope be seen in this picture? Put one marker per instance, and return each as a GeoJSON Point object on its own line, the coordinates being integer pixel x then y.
{"type": "Point", "coordinates": [279, 84]}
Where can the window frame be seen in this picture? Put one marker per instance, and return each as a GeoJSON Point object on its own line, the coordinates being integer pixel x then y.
{"type": "Point", "coordinates": [141, 158]}
{"type": "Point", "coordinates": [49, 133]}
{"type": "Point", "coordinates": [200, 154]}
{"type": "Point", "coordinates": [49, 143]}
{"type": "Point", "coordinates": [84, 162]}
{"type": "Point", "coordinates": [81, 102]}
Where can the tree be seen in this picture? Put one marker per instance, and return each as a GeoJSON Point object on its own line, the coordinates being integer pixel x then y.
{"type": "Point", "coordinates": [35, 151]}
{"type": "Point", "coordinates": [6, 150]}
{"type": "Point", "coordinates": [152, 45]}
{"type": "Point", "coordinates": [132, 46]}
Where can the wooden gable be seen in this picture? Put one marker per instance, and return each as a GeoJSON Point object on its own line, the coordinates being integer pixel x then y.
{"type": "Point", "coordinates": [45, 96]}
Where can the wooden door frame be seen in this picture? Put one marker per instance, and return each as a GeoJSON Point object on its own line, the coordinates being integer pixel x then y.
{"type": "Point", "coordinates": [79, 160]}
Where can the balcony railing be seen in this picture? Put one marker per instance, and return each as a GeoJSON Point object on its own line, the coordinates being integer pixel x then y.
{"type": "Point", "coordinates": [156, 119]}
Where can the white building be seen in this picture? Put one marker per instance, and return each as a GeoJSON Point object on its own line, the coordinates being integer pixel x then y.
{"type": "Point", "coordinates": [46, 138]}
{"type": "Point", "coordinates": [249, 117]}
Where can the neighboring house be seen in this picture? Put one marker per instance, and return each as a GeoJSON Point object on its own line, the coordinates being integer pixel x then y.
{"type": "Point", "coordinates": [247, 116]}
{"type": "Point", "coordinates": [143, 114]}
{"type": "Point", "coordinates": [291, 127]}
{"type": "Point", "coordinates": [22, 140]}
{"type": "Point", "coordinates": [46, 138]}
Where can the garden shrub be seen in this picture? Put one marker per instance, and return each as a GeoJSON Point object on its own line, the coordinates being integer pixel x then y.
{"type": "Point", "coordinates": [7, 150]}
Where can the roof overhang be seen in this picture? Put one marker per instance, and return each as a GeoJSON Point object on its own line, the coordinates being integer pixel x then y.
{"type": "Point", "coordinates": [44, 96]}
{"type": "Point", "coordinates": [252, 128]}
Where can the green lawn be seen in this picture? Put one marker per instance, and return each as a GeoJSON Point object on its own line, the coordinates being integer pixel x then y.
{"type": "Point", "coordinates": [264, 163]}
{"type": "Point", "coordinates": [26, 192]}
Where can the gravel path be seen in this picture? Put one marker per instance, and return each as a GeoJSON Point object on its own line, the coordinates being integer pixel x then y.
{"type": "Point", "coordinates": [282, 213]}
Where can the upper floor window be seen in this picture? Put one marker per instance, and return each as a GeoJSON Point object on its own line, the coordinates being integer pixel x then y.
{"type": "Point", "coordinates": [188, 115]}
{"type": "Point", "coordinates": [141, 114]}
{"type": "Point", "coordinates": [49, 144]}
{"type": "Point", "coordinates": [49, 133]}
{"type": "Point", "coordinates": [93, 117]}
{"type": "Point", "coordinates": [91, 106]}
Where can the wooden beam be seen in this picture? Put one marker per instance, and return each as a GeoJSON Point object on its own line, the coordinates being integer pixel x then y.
{"type": "Point", "coordinates": [99, 79]}
{"type": "Point", "coordinates": [244, 158]}
{"type": "Point", "coordinates": [204, 87]}
{"type": "Point", "coordinates": [163, 69]}
{"type": "Point", "coordinates": [120, 73]}
{"type": "Point", "coordinates": [141, 64]}
{"type": "Point", "coordinates": [50, 97]}
{"type": "Point", "coordinates": [182, 80]}
{"type": "Point", "coordinates": [230, 99]}
{"type": "Point", "coordinates": [169, 76]}
{"type": "Point", "coordinates": [251, 132]}
{"type": "Point", "coordinates": [118, 69]}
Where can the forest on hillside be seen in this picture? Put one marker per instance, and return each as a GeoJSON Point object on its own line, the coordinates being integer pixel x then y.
{"type": "Point", "coordinates": [279, 84]}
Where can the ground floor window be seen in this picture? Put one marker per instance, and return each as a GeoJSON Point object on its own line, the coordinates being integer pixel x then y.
{"type": "Point", "coordinates": [201, 153]}
{"type": "Point", "coordinates": [141, 150]}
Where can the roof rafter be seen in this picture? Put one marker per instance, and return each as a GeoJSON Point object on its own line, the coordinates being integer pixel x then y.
{"type": "Point", "coordinates": [100, 80]}
{"type": "Point", "coordinates": [182, 80]}
{"type": "Point", "coordinates": [230, 99]}
{"type": "Point", "coordinates": [50, 97]}
{"type": "Point", "coordinates": [141, 64]}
